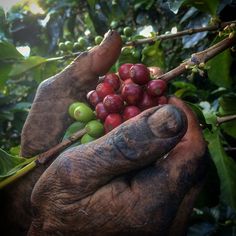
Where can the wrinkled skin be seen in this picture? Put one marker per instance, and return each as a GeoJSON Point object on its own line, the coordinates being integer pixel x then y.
{"type": "Point", "coordinates": [140, 179]}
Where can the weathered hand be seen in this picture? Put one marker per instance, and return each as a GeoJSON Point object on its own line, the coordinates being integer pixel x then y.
{"type": "Point", "coordinates": [140, 179]}
{"type": "Point", "coordinates": [48, 118]}
{"type": "Point", "coordinates": [116, 185]}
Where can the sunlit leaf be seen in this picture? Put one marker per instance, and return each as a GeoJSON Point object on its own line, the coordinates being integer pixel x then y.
{"type": "Point", "coordinates": [27, 64]}
{"type": "Point", "coordinates": [225, 165]}
{"type": "Point", "coordinates": [152, 55]}
{"type": "Point", "coordinates": [8, 51]}
{"type": "Point", "coordinates": [219, 71]}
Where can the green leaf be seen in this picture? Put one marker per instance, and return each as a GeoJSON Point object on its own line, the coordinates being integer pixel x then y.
{"type": "Point", "coordinates": [15, 151]}
{"type": "Point", "coordinates": [74, 127]}
{"type": "Point", "coordinates": [227, 104]}
{"type": "Point", "coordinates": [3, 24]}
{"type": "Point", "coordinates": [196, 109]}
{"type": "Point", "coordinates": [225, 165]}
{"type": "Point", "coordinates": [152, 55]}
{"type": "Point", "coordinates": [27, 64]}
{"type": "Point", "coordinates": [92, 3]}
{"type": "Point", "coordinates": [10, 164]}
{"type": "Point", "coordinates": [227, 107]}
{"type": "Point", "coordinates": [186, 85]}
{"type": "Point", "coordinates": [219, 72]}
{"type": "Point", "coordinates": [21, 106]}
{"type": "Point", "coordinates": [229, 128]}
{"type": "Point", "coordinates": [208, 6]}
{"type": "Point", "coordinates": [210, 118]}
{"type": "Point", "coordinates": [8, 51]}
{"type": "Point", "coordinates": [5, 69]}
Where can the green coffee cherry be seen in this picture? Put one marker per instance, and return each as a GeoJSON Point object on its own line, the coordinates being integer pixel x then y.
{"type": "Point", "coordinates": [128, 31]}
{"type": "Point", "coordinates": [95, 128]}
{"type": "Point", "coordinates": [62, 46]}
{"type": "Point", "coordinates": [98, 39]}
{"type": "Point", "coordinates": [69, 45]}
{"type": "Point", "coordinates": [83, 113]}
{"type": "Point", "coordinates": [86, 138]}
{"type": "Point", "coordinates": [126, 50]}
{"type": "Point", "coordinates": [123, 37]}
{"type": "Point", "coordinates": [135, 54]}
{"type": "Point", "coordinates": [72, 108]}
{"type": "Point", "coordinates": [148, 51]}
{"type": "Point", "coordinates": [82, 42]}
{"type": "Point", "coordinates": [114, 24]}
{"type": "Point", "coordinates": [76, 46]}
{"type": "Point", "coordinates": [194, 70]}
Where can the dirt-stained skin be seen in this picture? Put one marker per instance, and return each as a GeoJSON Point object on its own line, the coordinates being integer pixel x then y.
{"type": "Point", "coordinates": [54, 95]}
{"type": "Point", "coordinates": [140, 179]}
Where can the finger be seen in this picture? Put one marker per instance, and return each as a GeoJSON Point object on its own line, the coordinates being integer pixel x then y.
{"type": "Point", "coordinates": [184, 159]}
{"type": "Point", "coordinates": [48, 117]}
{"type": "Point", "coordinates": [193, 139]}
{"type": "Point", "coordinates": [131, 146]}
{"type": "Point", "coordinates": [165, 184]}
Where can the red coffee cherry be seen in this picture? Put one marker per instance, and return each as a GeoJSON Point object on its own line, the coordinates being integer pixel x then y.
{"type": "Point", "coordinates": [103, 89]}
{"type": "Point", "coordinates": [93, 98]}
{"type": "Point", "coordinates": [130, 111]}
{"type": "Point", "coordinates": [156, 87]}
{"type": "Point", "coordinates": [113, 103]}
{"type": "Point", "coordinates": [140, 74]}
{"type": "Point", "coordinates": [112, 121]}
{"type": "Point", "coordinates": [113, 80]}
{"type": "Point", "coordinates": [146, 102]}
{"type": "Point", "coordinates": [132, 93]}
{"type": "Point", "coordinates": [101, 112]}
{"type": "Point", "coordinates": [162, 100]}
{"type": "Point", "coordinates": [123, 71]}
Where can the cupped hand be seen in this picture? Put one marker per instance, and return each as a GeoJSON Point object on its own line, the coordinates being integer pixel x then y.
{"type": "Point", "coordinates": [142, 178]}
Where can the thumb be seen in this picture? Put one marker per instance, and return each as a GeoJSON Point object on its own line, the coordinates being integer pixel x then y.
{"type": "Point", "coordinates": [48, 117]}
{"type": "Point", "coordinates": [135, 144]}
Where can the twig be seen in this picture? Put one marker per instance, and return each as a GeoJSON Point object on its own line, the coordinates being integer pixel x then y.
{"type": "Point", "coordinates": [71, 55]}
{"type": "Point", "coordinates": [43, 158]}
{"type": "Point", "coordinates": [224, 119]}
{"type": "Point", "coordinates": [46, 156]}
{"type": "Point", "coordinates": [230, 149]}
{"type": "Point", "coordinates": [179, 34]}
{"type": "Point", "coordinates": [197, 58]}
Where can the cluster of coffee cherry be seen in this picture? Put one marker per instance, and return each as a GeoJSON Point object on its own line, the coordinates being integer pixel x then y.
{"type": "Point", "coordinates": [121, 96]}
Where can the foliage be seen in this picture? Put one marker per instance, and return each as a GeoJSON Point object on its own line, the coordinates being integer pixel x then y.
{"type": "Point", "coordinates": [65, 27]}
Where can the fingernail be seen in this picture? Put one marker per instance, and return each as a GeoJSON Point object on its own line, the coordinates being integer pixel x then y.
{"type": "Point", "coordinates": [168, 121]}
{"type": "Point", "coordinates": [107, 34]}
